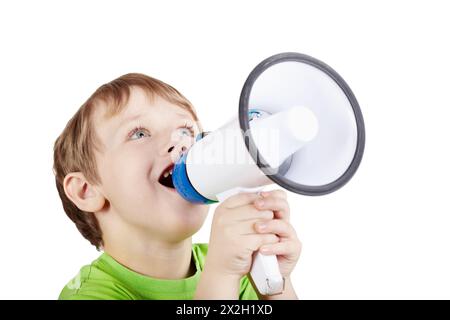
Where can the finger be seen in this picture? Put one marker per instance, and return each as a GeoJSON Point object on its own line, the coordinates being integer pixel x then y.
{"type": "Point", "coordinates": [281, 228]}
{"type": "Point", "coordinates": [256, 241]}
{"type": "Point", "coordinates": [280, 206]}
{"type": "Point", "coordinates": [249, 212]}
{"type": "Point", "coordinates": [284, 248]}
{"type": "Point", "coordinates": [279, 193]}
{"type": "Point", "coordinates": [244, 227]}
{"type": "Point", "coordinates": [241, 199]}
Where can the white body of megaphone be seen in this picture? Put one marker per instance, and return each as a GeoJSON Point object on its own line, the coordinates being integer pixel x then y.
{"type": "Point", "coordinates": [298, 126]}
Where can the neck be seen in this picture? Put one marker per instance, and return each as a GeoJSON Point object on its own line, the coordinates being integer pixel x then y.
{"type": "Point", "coordinates": [152, 257]}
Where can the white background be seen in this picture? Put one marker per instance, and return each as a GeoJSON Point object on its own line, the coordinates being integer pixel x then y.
{"type": "Point", "coordinates": [385, 235]}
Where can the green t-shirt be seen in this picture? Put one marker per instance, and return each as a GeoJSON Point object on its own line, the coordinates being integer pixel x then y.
{"type": "Point", "coordinates": [105, 278]}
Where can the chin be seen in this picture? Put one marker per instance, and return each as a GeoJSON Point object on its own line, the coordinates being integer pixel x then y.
{"type": "Point", "coordinates": [181, 230]}
{"type": "Point", "coordinates": [193, 216]}
{"type": "Point", "coordinates": [177, 216]}
{"type": "Point", "coordinates": [190, 220]}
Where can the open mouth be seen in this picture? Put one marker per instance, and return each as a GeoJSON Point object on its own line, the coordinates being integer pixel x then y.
{"type": "Point", "coordinates": [166, 177]}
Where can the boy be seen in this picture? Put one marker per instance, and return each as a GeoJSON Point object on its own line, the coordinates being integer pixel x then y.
{"type": "Point", "coordinates": [110, 163]}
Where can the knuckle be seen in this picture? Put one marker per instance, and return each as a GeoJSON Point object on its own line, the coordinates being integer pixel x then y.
{"type": "Point", "coordinates": [261, 240]}
{"type": "Point", "coordinates": [278, 202]}
{"type": "Point", "coordinates": [276, 225]}
{"type": "Point", "coordinates": [287, 225]}
{"type": "Point", "coordinates": [266, 214]}
{"type": "Point", "coordinates": [250, 196]}
{"type": "Point", "coordinates": [280, 193]}
{"type": "Point", "coordinates": [279, 224]}
{"type": "Point", "coordinates": [252, 211]}
{"type": "Point", "coordinates": [272, 238]}
{"type": "Point", "coordinates": [254, 244]}
{"type": "Point", "coordinates": [283, 194]}
{"type": "Point", "coordinates": [271, 225]}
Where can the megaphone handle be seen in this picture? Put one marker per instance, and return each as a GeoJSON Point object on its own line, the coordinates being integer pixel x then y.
{"type": "Point", "coordinates": [265, 270]}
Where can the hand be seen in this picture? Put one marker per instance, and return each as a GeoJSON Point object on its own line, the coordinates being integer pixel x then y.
{"type": "Point", "coordinates": [288, 249]}
{"type": "Point", "coordinates": [233, 236]}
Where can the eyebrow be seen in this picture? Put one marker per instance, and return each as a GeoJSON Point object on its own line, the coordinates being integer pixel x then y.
{"type": "Point", "coordinates": [128, 119]}
{"type": "Point", "coordinates": [140, 115]}
{"type": "Point", "coordinates": [185, 115]}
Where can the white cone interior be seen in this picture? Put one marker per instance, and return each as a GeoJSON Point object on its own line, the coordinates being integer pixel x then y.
{"type": "Point", "coordinates": [289, 84]}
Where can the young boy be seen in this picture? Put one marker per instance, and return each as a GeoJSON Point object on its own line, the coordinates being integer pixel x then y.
{"type": "Point", "coordinates": [109, 164]}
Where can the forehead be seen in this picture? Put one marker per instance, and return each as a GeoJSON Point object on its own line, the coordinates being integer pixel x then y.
{"type": "Point", "coordinates": [140, 103]}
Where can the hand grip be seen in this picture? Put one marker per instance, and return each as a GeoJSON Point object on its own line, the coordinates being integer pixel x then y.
{"type": "Point", "coordinates": [265, 271]}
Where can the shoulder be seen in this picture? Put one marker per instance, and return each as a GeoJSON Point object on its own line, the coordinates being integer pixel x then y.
{"type": "Point", "coordinates": [95, 282]}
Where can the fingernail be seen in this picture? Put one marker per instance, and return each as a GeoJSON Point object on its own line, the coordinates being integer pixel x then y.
{"type": "Point", "coordinates": [262, 226]}
{"type": "Point", "coordinates": [264, 193]}
{"type": "Point", "coordinates": [264, 250]}
{"type": "Point", "coordinates": [259, 203]}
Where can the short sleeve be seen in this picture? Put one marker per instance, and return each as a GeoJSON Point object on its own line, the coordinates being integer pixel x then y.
{"type": "Point", "coordinates": [247, 292]}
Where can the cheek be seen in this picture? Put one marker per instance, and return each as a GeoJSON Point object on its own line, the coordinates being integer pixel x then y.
{"type": "Point", "coordinates": [127, 177]}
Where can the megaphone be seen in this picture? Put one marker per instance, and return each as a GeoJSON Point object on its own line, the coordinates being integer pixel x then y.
{"type": "Point", "coordinates": [299, 125]}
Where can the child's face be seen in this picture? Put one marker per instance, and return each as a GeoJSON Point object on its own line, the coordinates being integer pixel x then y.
{"type": "Point", "coordinates": [139, 144]}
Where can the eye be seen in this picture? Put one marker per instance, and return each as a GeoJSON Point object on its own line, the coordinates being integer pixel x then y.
{"type": "Point", "coordinates": [187, 130]}
{"type": "Point", "coordinates": [138, 133]}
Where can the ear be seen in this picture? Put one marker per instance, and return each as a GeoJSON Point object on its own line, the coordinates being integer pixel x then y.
{"type": "Point", "coordinates": [83, 194]}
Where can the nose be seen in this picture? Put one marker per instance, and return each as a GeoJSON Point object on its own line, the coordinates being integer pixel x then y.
{"type": "Point", "coordinates": [183, 149]}
{"type": "Point", "coordinates": [176, 150]}
{"type": "Point", "coordinates": [175, 146]}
